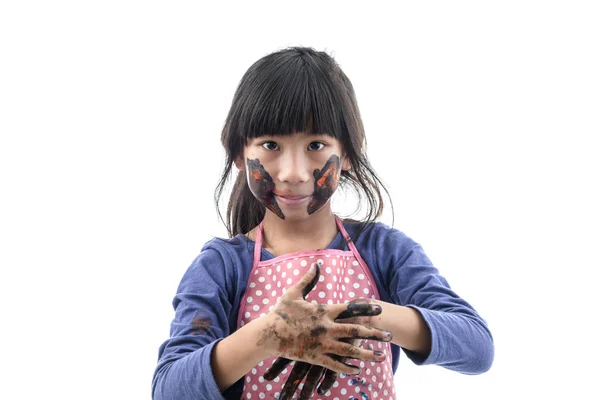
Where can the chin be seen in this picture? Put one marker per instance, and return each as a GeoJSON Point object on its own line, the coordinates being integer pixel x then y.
{"type": "Point", "coordinates": [303, 215]}
{"type": "Point", "coordinates": [296, 216]}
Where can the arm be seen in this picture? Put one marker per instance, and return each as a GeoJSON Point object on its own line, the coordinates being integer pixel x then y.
{"type": "Point", "coordinates": [295, 329]}
{"type": "Point", "coordinates": [235, 355]}
{"type": "Point", "coordinates": [429, 320]}
{"type": "Point", "coordinates": [202, 311]}
{"type": "Point", "coordinates": [407, 326]}
{"type": "Point", "coordinates": [202, 358]}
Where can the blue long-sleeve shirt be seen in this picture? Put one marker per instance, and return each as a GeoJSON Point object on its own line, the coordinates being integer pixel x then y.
{"type": "Point", "coordinates": [212, 288]}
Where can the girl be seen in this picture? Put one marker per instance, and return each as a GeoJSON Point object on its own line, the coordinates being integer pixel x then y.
{"type": "Point", "coordinates": [294, 281]}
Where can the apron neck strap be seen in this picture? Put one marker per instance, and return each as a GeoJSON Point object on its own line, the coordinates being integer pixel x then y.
{"type": "Point", "coordinates": [347, 238]}
{"type": "Point", "coordinates": [258, 243]}
{"type": "Point", "coordinates": [259, 237]}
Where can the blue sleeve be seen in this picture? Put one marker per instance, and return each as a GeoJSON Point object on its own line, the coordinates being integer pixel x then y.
{"type": "Point", "coordinates": [460, 338]}
{"type": "Point", "coordinates": [202, 308]}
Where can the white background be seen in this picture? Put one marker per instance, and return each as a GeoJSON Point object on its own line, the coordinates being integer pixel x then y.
{"type": "Point", "coordinates": [111, 112]}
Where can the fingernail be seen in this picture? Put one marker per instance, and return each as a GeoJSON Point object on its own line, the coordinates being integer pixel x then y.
{"type": "Point", "coordinates": [379, 355]}
{"type": "Point", "coordinates": [387, 336]}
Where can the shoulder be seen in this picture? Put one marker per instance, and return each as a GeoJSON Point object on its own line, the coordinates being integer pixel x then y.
{"type": "Point", "coordinates": [379, 237]}
{"type": "Point", "coordinates": [227, 249]}
{"type": "Point", "coordinates": [222, 261]}
{"type": "Point", "coordinates": [387, 249]}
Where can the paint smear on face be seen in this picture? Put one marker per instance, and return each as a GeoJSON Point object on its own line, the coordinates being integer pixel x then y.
{"type": "Point", "coordinates": [261, 185]}
{"type": "Point", "coordinates": [326, 181]}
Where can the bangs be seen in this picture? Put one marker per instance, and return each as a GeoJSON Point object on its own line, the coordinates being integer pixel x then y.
{"type": "Point", "coordinates": [290, 94]}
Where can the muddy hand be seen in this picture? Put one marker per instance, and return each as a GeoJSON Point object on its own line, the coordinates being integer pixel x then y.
{"type": "Point", "coordinates": [316, 373]}
{"type": "Point", "coordinates": [357, 309]}
{"type": "Point", "coordinates": [281, 362]}
{"type": "Point", "coordinates": [301, 369]}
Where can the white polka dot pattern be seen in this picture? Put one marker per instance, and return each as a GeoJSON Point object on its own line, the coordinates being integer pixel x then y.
{"type": "Point", "coordinates": [342, 280]}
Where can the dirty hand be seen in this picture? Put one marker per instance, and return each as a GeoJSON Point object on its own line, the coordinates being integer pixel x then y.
{"type": "Point", "coordinates": [299, 330]}
{"type": "Point", "coordinates": [358, 311]}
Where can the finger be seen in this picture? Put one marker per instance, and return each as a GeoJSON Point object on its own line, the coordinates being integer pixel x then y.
{"type": "Point", "coordinates": [355, 306]}
{"type": "Point", "coordinates": [360, 310]}
{"type": "Point", "coordinates": [296, 376]}
{"type": "Point", "coordinates": [353, 352]}
{"type": "Point", "coordinates": [307, 282]}
{"type": "Point", "coordinates": [278, 366]}
{"type": "Point", "coordinates": [307, 287]}
{"type": "Point", "coordinates": [328, 381]}
{"type": "Point", "coordinates": [355, 331]}
{"type": "Point", "coordinates": [330, 361]}
{"type": "Point", "coordinates": [314, 376]}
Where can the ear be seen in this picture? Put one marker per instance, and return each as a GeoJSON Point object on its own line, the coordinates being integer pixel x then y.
{"type": "Point", "coordinates": [239, 163]}
{"type": "Point", "coordinates": [346, 165]}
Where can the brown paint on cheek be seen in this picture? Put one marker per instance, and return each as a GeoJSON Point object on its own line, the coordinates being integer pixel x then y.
{"type": "Point", "coordinates": [262, 186]}
{"type": "Point", "coordinates": [326, 181]}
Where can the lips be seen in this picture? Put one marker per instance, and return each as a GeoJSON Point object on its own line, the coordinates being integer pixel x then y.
{"type": "Point", "coordinates": [292, 200]}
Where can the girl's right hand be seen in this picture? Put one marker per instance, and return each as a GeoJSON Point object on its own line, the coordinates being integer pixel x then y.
{"type": "Point", "coordinates": [299, 330]}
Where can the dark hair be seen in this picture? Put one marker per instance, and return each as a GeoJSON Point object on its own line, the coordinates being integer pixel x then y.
{"type": "Point", "coordinates": [297, 89]}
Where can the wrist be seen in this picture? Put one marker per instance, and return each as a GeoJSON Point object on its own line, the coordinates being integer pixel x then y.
{"type": "Point", "coordinates": [377, 321]}
{"type": "Point", "coordinates": [264, 332]}
{"type": "Point", "coordinates": [238, 353]}
{"type": "Point", "coordinates": [408, 327]}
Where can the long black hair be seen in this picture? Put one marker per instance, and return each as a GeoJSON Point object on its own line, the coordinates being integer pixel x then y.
{"type": "Point", "coordinates": [297, 89]}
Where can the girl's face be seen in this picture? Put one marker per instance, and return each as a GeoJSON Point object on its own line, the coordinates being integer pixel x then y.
{"type": "Point", "coordinates": [293, 176]}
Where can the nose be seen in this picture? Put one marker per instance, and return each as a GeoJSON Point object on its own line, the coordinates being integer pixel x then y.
{"type": "Point", "coordinates": [294, 168]}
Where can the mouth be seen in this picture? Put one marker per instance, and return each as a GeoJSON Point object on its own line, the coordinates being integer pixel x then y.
{"type": "Point", "coordinates": [291, 200]}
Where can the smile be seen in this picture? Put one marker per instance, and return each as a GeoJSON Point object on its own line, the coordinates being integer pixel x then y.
{"type": "Point", "coordinates": [292, 200]}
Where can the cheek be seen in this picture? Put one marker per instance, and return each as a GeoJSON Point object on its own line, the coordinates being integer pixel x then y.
{"type": "Point", "coordinates": [326, 179]}
{"type": "Point", "coordinates": [326, 182]}
{"type": "Point", "coordinates": [261, 185]}
{"type": "Point", "coordinates": [259, 180]}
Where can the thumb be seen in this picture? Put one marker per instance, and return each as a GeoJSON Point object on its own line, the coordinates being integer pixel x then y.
{"type": "Point", "coordinates": [309, 280]}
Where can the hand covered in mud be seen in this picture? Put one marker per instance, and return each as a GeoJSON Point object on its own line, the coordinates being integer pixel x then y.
{"type": "Point", "coordinates": [344, 340]}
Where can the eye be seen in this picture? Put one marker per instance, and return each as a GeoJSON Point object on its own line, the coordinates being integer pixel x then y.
{"type": "Point", "coordinates": [271, 146]}
{"type": "Point", "coordinates": [315, 146]}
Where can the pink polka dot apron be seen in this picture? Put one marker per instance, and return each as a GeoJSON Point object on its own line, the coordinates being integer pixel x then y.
{"type": "Point", "coordinates": [344, 277]}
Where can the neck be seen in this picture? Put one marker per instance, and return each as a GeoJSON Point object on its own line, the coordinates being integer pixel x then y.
{"type": "Point", "coordinates": [283, 236]}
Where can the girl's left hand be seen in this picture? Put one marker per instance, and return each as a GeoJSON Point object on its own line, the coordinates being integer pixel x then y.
{"type": "Point", "coordinates": [303, 331]}
{"type": "Point", "coordinates": [315, 375]}
{"type": "Point", "coordinates": [359, 311]}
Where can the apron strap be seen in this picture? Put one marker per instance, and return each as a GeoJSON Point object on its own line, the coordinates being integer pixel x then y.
{"type": "Point", "coordinates": [359, 258]}
{"type": "Point", "coordinates": [349, 242]}
{"type": "Point", "coordinates": [338, 221]}
{"type": "Point", "coordinates": [258, 243]}
{"type": "Point", "coordinates": [342, 230]}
